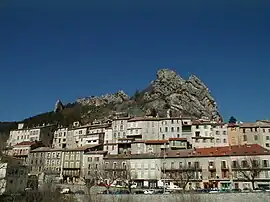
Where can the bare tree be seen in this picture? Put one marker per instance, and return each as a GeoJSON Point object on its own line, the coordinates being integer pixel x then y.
{"type": "Point", "coordinates": [248, 169]}
{"type": "Point", "coordinates": [106, 177]}
{"type": "Point", "coordinates": [127, 176]}
{"type": "Point", "coordinates": [181, 176]}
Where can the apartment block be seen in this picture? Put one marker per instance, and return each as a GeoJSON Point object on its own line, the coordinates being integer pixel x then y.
{"type": "Point", "coordinates": [42, 134]}
{"type": "Point", "coordinates": [250, 133]}
{"type": "Point", "coordinates": [60, 138]}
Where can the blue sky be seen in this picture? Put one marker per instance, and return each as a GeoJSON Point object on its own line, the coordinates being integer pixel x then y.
{"type": "Point", "coordinates": [62, 50]}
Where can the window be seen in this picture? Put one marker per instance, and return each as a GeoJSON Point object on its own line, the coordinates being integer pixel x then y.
{"type": "Point", "coordinates": [267, 138]}
{"type": "Point", "coordinates": [89, 159]}
{"type": "Point", "coordinates": [217, 133]}
{"type": "Point", "coordinates": [234, 164]}
{"type": "Point", "coordinates": [166, 129]}
{"type": "Point", "coordinates": [263, 130]}
{"type": "Point", "coordinates": [244, 130]}
{"type": "Point", "coordinates": [172, 129]}
{"type": "Point", "coordinates": [244, 164]}
{"type": "Point", "coordinates": [267, 145]}
{"type": "Point", "coordinates": [224, 133]}
{"type": "Point", "coordinates": [180, 164]}
{"type": "Point", "coordinates": [255, 137]}
{"type": "Point", "coordinates": [197, 126]}
{"type": "Point", "coordinates": [244, 137]}
{"type": "Point", "coordinates": [96, 158]}
{"type": "Point", "coordinates": [163, 136]}
{"type": "Point", "coordinates": [265, 163]}
{"type": "Point", "coordinates": [197, 134]}
{"type": "Point", "coordinates": [205, 126]}
{"type": "Point", "coordinates": [178, 135]}
{"type": "Point", "coordinates": [224, 141]}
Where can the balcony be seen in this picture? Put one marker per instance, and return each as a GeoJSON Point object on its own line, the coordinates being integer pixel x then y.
{"type": "Point", "coordinates": [203, 137]}
{"type": "Point", "coordinates": [134, 135]}
{"type": "Point", "coordinates": [117, 168]}
{"type": "Point", "coordinates": [224, 167]}
{"type": "Point", "coordinates": [181, 169]}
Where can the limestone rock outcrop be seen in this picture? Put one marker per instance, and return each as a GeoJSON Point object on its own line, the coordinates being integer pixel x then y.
{"type": "Point", "coordinates": [168, 91]}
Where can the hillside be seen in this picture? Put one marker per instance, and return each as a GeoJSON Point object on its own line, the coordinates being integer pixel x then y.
{"type": "Point", "coordinates": [169, 92]}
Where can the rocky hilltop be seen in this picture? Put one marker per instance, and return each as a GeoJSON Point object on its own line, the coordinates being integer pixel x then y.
{"type": "Point", "coordinates": [168, 92]}
{"type": "Point", "coordinates": [167, 95]}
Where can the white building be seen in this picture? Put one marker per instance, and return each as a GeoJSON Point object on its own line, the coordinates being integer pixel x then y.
{"type": "Point", "coordinates": [40, 133]}
{"type": "Point", "coordinates": [13, 175]}
{"type": "Point", "coordinates": [208, 134]}
{"type": "Point", "coordinates": [60, 138]}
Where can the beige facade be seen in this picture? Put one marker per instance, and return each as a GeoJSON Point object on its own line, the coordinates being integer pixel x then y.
{"type": "Point", "coordinates": [250, 133]}
{"type": "Point", "coordinates": [92, 163]}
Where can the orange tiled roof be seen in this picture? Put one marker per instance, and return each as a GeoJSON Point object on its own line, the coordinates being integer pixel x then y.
{"type": "Point", "coordinates": [232, 150]}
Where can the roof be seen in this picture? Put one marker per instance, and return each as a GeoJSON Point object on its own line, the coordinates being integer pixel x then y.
{"type": "Point", "coordinates": [45, 149]}
{"type": "Point", "coordinates": [25, 143]}
{"type": "Point", "coordinates": [157, 118]}
{"type": "Point", "coordinates": [237, 150]}
{"type": "Point", "coordinates": [258, 124]}
{"type": "Point", "coordinates": [97, 152]}
{"type": "Point", "coordinates": [83, 148]}
{"type": "Point", "coordinates": [177, 139]}
{"type": "Point", "coordinates": [199, 122]}
{"type": "Point", "coordinates": [156, 141]}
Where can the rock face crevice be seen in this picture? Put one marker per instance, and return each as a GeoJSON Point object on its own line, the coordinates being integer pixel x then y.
{"type": "Point", "coordinates": [169, 90]}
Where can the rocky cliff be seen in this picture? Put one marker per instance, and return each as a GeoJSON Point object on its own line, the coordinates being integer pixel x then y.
{"type": "Point", "coordinates": [168, 92]}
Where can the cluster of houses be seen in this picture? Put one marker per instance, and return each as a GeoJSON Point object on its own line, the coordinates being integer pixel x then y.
{"type": "Point", "coordinates": [149, 151]}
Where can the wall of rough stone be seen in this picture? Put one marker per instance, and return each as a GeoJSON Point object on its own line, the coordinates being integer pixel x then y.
{"type": "Point", "coordinates": [226, 197]}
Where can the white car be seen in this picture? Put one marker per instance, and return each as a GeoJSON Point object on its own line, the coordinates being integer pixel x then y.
{"type": "Point", "coordinates": [149, 191]}
{"type": "Point", "coordinates": [65, 191]}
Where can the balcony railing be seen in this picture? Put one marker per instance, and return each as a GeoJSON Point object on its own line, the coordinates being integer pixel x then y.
{"type": "Point", "coordinates": [118, 168]}
{"type": "Point", "coordinates": [224, 167]}
{"type": "Point", "coordinates": [186, 168]}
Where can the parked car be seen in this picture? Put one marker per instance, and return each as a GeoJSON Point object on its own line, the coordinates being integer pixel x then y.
{"type": "Point", "coordinates": [149, 191]}
{"type": "Point", "coordinates": [65, 191]}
